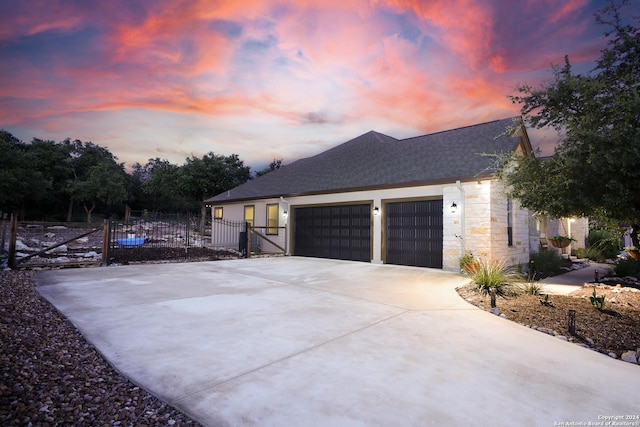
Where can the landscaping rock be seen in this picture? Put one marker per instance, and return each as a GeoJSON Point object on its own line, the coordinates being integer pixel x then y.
{"type": "Point", "coordinates": [59, 249]}
{"type": "Point", "coordinates": [20, 246]}
{"type": "Point", "coordinates": [629, 356]}
{"type": "Point", "coordinates": [51, 376]}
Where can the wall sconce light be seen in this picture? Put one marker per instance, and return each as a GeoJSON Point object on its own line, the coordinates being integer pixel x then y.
{"type": "Point", "coordinates": [454, 207]}
{"type": "Point", "coordinates": [285, 214]}
{"type": "Point", "coordinates": [376, 211]}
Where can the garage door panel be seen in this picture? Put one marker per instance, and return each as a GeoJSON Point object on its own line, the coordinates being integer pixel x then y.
{"type": "Point", "coordinates": [414, 233]}
{"type": "Point", "coordinates": [344, 232]}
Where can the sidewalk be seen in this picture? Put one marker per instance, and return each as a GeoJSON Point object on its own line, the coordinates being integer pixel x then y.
{"type": "Point", "coordinates": [564, 284]}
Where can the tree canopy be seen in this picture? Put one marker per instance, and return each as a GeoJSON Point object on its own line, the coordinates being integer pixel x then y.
{"type": "Point", "coordinates": [47, 179]}
{"type": "Point", "coordinates": [275, 164]}
{"type": "Point", "coordinates": [595, 169]}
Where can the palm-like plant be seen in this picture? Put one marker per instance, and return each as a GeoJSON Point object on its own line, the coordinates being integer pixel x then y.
{"type": "Point", "coordinates": [495, 278]}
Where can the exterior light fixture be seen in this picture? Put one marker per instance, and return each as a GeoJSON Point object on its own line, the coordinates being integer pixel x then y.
{"type": "Point", "coordinates": [285, 214]}
{"type": "Point", "coordinates": [376, 211]}
{"type": "Point", "coordinates": [454, 207]}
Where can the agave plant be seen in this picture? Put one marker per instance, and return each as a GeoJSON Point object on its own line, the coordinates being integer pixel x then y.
{"type": "Point", "coordinates": [495, 278]}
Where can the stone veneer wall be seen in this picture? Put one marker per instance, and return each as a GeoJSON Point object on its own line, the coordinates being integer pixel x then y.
{"type": "Point", "coordinates": [452, 244]}
{"type": "Point", "coordinates": [483, 212]}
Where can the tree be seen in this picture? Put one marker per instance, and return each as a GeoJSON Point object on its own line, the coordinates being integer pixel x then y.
{"type": "Point", "coordinates": [97, 177]}
{"type": "Point", "coordinates": [594, 170]}
{"type": "Point", "coordinates": [212, 174]}
{"type": "Point", "coordinates": [275, 164]}
{"type": "Point", "coordinates": [161, 184]}
{"type": "Point", "coordinates": [15, 179]}
{"type": "Point", "coordinates": [33, 176]}
{"type": "Point", "coordinates": [52, 160]}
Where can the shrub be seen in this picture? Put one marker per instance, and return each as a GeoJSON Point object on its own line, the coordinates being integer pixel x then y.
{"type": "Point", "coordinates": [468, 264]}
{"type": "Point", "coordinates": [545, 260]}
{"type": "Point", "coordinates": [592, 253]}
{"type": "Point", "coordinates": [627, 267]}
{"type": "Point", "coordinates": [608, 243]}
{"type": "Point", "coordinates": [597, 301]}
{"type": "Point", "coordinates": [532, 288]}
{"type": "Point", "coordinates": [494, 279]}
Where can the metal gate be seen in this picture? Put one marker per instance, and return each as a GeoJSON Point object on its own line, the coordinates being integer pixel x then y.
{"type": "Point", "coordinates": [414, 233]}
{"type": "Point", "coordinates": [158, 237]}
{"type": "Point", "coordinates": [336, 232]}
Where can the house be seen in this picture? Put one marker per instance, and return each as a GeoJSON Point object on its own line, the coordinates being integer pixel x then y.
{"type": "Point", "coordinates": [421, 201]}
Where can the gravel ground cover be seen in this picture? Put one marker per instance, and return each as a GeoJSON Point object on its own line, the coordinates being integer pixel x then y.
{"type": "Point", "coordinates": [50, 376]}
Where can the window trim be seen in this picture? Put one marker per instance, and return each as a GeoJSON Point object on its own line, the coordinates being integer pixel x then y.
{"type": "Point", "coordinates": [273, 229]}
{"type": "Point", "coordinates": [216, 210]}
{"type": "Point", "coordinates": [251, 221]}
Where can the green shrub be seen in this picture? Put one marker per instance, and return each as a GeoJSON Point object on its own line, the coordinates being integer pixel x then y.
{"type": "Point", "coordinates": [592, 253]}
{"type": "Point", "coordinates": [494, 279]}
{"type": "Point", "coordinates": [597, 301]}
{"type": "Point", "coordinates": [532, 288]}
{"type": "Point", "coordinates": [468, 263]}
{"type": "Point", "coordinates": [545, 260]}
{"type": "Point", "coordinates": [608, 243]}
{"type": "Point", "coordinates": [627, 267]}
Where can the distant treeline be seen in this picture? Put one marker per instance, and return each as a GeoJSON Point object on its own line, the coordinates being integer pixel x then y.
{"type": "Point", "coordinates": [73, 180]}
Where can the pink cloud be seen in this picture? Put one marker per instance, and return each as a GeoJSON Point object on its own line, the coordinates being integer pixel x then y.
{"type": "Point", "coordinates": [295, 70]}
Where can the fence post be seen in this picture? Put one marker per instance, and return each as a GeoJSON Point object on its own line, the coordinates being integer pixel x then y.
{"type": "Point", "coordinates": [248, 237]}
{"type": "Point", "coordinates": [3, 231]}
{"type": "Point", "coordinates": [12, 241]}
{"type": "Point", "coordinates": [106, 242]}
{"type": "Point", "coordinates": [187, 237]}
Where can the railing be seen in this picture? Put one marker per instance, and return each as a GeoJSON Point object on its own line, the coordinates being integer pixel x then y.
{"type": "Point", "coordinates": [239, 235]}
{"type": "Point", "coordinates": [160, 237]}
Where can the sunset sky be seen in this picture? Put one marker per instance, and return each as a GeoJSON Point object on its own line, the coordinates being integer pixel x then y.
{"type": "Point", "coordinates": [275, 79]}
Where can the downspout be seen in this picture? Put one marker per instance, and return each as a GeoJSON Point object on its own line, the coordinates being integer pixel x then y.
{"type": "Point", "coordinates": [462, 222]}
{"type": "Point", "coordinates": [286, 226]}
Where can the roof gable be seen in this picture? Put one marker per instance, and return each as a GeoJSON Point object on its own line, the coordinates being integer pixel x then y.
{"type": "Point", "coordinates": [375, 160]}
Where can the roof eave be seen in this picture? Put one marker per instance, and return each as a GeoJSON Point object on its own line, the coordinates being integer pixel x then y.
{"type": "Point", "coordinates": [442, 181]}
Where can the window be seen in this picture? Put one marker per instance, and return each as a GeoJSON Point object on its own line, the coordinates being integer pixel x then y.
{"type": "Point", "coordinates": [217, 212]}
{"type": "Point", "coordinates": [272, 219]}
{"type": "Point", "coordinates": [509, 222]}
{"type": "Point", "coordinates": [249, 214]}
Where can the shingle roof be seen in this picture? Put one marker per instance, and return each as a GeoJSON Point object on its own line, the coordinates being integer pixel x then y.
{"type": "Point", "coordinates": [374, 160]}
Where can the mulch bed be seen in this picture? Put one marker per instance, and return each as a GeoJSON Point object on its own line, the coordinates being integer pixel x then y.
{"type": "Point", "coordinates": [615, 329]}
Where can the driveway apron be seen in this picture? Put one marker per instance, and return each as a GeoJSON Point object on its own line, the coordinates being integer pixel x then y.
{"type": "Point", "coordinates": [301, 341]}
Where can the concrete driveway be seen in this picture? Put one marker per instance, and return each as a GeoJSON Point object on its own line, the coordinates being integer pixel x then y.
{"type": "Point", "coordinates": [300, 341]}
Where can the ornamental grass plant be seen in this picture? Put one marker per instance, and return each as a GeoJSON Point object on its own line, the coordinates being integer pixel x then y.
{"type": "Point", "coordinates": [495, 278]}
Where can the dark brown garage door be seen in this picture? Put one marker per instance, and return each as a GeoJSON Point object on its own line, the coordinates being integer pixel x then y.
{"type": "Point", "coordinates": [336, 232]}
{"type": "Point", "coordinates": [414, 233]}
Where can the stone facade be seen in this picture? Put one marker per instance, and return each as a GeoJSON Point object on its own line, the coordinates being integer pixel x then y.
{"type": "Point", "coordinates": [480, 225]}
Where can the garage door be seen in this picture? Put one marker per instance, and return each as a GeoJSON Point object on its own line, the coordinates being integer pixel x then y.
{"type": "Point", "coordinates": [414, 233]}
{"type": "Point", "coordinates": [337, 232]}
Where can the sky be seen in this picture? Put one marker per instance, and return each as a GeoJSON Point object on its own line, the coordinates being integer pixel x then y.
{"type": "Point", "coordinates": [269, 80]}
